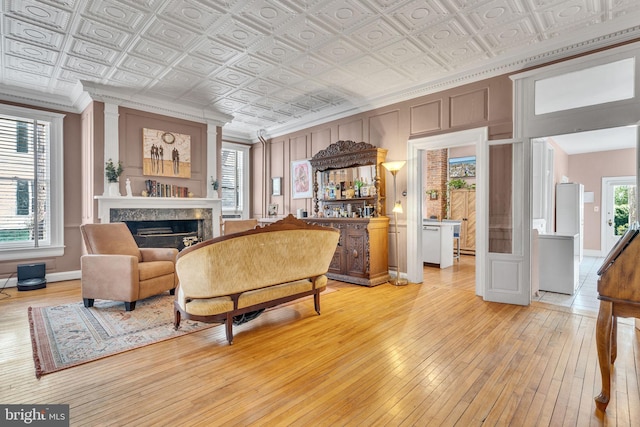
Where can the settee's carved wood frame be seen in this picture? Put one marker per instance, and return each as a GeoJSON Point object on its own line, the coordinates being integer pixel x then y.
{"type": "Point", "coordinates": [227, 318]}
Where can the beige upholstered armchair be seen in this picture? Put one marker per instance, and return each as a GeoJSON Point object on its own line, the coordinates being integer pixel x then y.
{"type": "Point", "coordinates": [116, 269]}
{"type": "Point", "coordinates": [231, 226]}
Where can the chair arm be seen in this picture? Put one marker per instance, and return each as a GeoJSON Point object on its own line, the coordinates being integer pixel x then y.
{"type": "Point", "coordinates": [158, 254]}
{"type": "Point", "coordinates": [110, 277]}
{"type": "Point", "coordinates": [319, 282]}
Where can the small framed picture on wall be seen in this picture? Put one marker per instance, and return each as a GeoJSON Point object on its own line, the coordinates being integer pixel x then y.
{"type": "Point", "coordinates": [462, 167]}
{"type": "Point", "coordinates": [301, 187]}
{"type": "Point", "coordinates": [276, 186]}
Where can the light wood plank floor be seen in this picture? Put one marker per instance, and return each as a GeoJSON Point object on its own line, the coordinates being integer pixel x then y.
{"type": "Point", "coordinates": [430, 354]}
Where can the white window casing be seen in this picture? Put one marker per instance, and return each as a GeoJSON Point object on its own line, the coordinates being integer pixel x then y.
{"type": "Point", "coordinates": [49, 243]}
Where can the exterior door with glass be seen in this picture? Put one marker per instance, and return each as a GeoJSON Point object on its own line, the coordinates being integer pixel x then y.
{"type": "Point", "coordinates": [620, 198]}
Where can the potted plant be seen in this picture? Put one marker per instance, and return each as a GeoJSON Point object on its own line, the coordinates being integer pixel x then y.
{"type": "Point", "coordinates": [113, 172]}
{"type": "Point", "coordinates": [456, 184]}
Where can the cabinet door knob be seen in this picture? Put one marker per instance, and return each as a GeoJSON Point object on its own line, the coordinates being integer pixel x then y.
{"type": "Point", "coordinates": [355, 253]}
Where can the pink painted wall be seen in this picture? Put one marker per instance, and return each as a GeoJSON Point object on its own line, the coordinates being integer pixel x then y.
{"type": "Point", "coordinates": [560, 162]}
{"type": "Point", "coordinates": [589, 169]}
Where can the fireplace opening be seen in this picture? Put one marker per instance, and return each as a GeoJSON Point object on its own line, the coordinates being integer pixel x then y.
{"type": "Point", "coordinates": [166, 233]}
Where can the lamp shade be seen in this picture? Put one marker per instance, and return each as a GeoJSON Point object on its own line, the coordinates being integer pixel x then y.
{"type": "Point", "coordinates": [394, 166]}
{"type": "Point", "coordinates": [397, 208]}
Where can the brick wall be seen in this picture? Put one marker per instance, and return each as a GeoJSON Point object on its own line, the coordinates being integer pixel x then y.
{"type": "Point", "coordinates": [436, 164]}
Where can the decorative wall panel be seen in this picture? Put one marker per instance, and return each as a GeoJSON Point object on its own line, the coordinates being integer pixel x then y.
{"type": "Point", "coordinates": [384, 129]}
{"type": "Point", "coordinates": [469, 108]}
{"type": "Point", "coordinates": [426, 117]}
{"type": "Point", "coordinates": [351, 130]}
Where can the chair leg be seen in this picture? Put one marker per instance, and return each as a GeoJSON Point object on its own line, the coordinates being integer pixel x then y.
{"type": "Point", "coordinates": [316, 301]}
{"type": "Point", "coordinates": [176, 322]}
{"type": "Point", "coordinates": [129, 306]}
{"type": "Point", "coordinates": [229, 328]}
{"type": "Point", "coordinates": [88, 302]}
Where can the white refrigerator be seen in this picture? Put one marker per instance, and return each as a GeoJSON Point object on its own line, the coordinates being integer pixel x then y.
{"type": "Point", "coordinates": [570, 211]}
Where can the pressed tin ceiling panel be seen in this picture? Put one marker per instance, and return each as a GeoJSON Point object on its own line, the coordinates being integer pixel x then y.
{"type": "Point", "coordinates": [278, 64]}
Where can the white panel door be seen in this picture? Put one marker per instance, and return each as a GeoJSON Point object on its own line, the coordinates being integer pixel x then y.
{"type": "Point", "coordinates": [508, 223]}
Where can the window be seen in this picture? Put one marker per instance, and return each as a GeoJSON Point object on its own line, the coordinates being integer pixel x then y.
{"type": "Point", "coordinates": [31, 215]}
{"type": "Point", "coordinates": [596, 91]}
{"type": "Point", "coordinates": [590, 86]}
{"type": "Point", "coordinates": [235, 181]}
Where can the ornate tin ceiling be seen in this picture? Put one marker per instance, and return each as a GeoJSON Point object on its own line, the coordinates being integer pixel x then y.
{"type": "Point", "coordinates": [283, 64]}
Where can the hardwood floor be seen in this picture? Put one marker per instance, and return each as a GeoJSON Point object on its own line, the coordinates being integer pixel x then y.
{"type": "Point", "coordinates": [430, 354]}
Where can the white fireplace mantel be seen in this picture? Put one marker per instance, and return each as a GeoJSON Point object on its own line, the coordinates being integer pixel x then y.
{"type": "Point", "coordinates": [106, 203]}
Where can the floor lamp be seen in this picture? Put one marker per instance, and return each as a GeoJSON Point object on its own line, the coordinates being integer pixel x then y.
{"type": "Point", "coordinates": [394, 167]}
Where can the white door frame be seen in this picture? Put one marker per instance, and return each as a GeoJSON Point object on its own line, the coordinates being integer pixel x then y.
{"type": "Point", "coordinates": [607, 182]}
{"type": "Point", "coordinates": [415, 168]}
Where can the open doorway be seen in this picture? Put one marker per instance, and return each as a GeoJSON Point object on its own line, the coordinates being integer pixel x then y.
{"type": "Point", "coordinates": [449, 203]}
{"type": "Point", "coordinates": [603, 163]}
{"type": "Point", "coordinates": [600, 160]}
{"type": "Point", "coordinates": [417, 192]}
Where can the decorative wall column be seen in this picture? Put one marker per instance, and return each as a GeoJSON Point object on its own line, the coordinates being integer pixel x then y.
{"type": "Point", "coordinates": [214, 140]}
{"type": "Point", "coordinates": [111, 139]}
{"type": "Point", "coordinates": [266, 173]}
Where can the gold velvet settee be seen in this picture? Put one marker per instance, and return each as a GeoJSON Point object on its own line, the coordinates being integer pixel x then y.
{"type": "Point", "coordinates": [238, 274]}
{"type": "Point", "coordinates": [116, 269]}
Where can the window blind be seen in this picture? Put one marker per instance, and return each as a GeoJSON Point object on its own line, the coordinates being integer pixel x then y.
{"type": "Point", "coordinates": [232, 173]}
{"type": "Point", "coordinates": [24, 182]}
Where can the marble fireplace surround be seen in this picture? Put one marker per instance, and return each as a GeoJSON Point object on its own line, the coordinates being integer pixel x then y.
{"type": "Point", "coordinates": [112, 209]}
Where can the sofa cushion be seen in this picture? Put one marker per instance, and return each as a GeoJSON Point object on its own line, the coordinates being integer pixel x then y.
{"type": "Point", "coordinates": [209, 306]}
{"type": "Point", "coordinates": [151, 269]}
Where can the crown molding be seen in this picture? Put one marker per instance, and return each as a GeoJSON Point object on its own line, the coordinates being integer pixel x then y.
{"type": "Point", "coordinates": [26, 96]}
{"type": "Point", "coordinates": [125, 98]}
{"type": "Point", "coordinates": [85, 92]}
{"type": "Point", "coordinates": [545, 53]}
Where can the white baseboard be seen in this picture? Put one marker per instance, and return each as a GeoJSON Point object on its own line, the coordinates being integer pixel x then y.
{"type": "Point", "coordinates": [51, 278]}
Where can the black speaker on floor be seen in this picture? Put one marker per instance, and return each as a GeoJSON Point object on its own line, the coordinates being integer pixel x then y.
{"type": "Point", "coordinates": [31, 276]}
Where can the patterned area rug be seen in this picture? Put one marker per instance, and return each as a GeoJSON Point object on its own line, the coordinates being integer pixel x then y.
{"type": "Point", "coordinates": [69, 335]}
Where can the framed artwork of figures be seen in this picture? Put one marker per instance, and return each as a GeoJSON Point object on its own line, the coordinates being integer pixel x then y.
{"type": "Point", "coordinates": [301, 186]}
{"type": "Point", "coordinates": [166, 153]}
